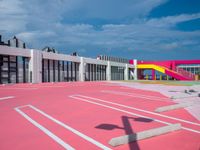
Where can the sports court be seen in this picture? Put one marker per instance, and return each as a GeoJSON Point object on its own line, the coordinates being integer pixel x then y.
{"type": "Point", "coordinates": [87, 115]}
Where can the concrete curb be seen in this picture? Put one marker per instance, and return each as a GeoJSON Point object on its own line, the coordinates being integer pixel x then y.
{"type": "Point", "coordinates": [143, 135]}
{"type": "Point", "coordinates": [172, 107]}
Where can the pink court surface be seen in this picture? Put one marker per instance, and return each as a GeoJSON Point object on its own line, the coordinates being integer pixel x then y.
{"type": "Point", "coordinates": [87, 115]}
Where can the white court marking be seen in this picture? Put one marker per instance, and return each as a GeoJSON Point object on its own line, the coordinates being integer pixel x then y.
{"type": "Point", "coordinates": [131, 113]}
{"type": "Point", "coordinates": [152, 98]}
{"type": "Point", "coordinates": [45, 130]}
{"type": "Point", "coordinates": [66, 86]}
{"type": "Point", "coordinates": [87, 138]}
{"type": "Point", "coordinates": [19, 88]}
{"type": "Point", "coordinates": [142, 110]}
{"type": "Point", "coordinates": [7, 97]}
{"type": "Point", "coordinates": [134, 93]}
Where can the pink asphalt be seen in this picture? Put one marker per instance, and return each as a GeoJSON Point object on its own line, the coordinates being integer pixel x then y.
{"type": "Point", "coordinates": [98, 110]}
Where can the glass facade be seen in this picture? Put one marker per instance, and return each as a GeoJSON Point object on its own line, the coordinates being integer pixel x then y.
{"type": "Point", "coordinates": [14, 69]}
{"type": "Point", "coordinates": [95, 72]}
{"type": "Point", "coordinates": [59, 71]}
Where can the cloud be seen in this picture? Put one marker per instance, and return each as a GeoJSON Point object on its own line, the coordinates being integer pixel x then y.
{"type": "Point", "coordinates": [71, 25]}
{"type": "Point", "coordinates": [111, 10]}
{"type": "Point", "coordinates": [171, 21]}
{"type": "Point", "coordinates": [23, 15]}
{"type": "Point", "coordinates": [12, 15]}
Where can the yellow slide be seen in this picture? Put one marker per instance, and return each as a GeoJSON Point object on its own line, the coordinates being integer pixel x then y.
{"type": "Point", "coordinates": [164, 70]}
{"type": "Point", "coordinates": [151, 66]}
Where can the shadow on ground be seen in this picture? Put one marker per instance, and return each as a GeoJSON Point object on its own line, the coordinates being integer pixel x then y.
{"type": "Point", "coordinates": [127, 127]}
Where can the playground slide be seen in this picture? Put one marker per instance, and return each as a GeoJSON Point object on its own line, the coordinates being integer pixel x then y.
{"type": "Point", "coordinates": [181, 75]}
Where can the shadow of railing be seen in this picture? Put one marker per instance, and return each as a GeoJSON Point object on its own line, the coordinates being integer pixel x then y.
{"type": "Point", "coordinates": [127, 127]}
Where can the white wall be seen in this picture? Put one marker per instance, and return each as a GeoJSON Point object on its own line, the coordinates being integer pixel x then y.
{"type": "Point", "coordinates": [36, 56]}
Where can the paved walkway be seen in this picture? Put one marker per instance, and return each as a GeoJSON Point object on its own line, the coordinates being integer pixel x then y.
{"type": "Point", "coordinates": [176, 93]}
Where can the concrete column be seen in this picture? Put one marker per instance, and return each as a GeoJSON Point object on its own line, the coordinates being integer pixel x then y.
{"type": "Point", "coordinates": [35, 67]}
{"type": "Point", "coordinates": [126, 72]}
{"type": "Point", "coordinates": [82, 70]}
{"type": "Point", "coordinates": [135, 69]}
{"type": "Point", "coordinates": [108, 71]}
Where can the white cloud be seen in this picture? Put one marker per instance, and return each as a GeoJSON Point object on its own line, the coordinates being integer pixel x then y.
{"type": "Point", "coordinates": [112, 9]}
{"type": "Point", "coordinates": [12, 15]}
{"type": "Point", "coordinates": [42, 23]}
{"type": "Point", "coordinates": [139, 36]}
{"type": "Point", "coordinates": [22, 15]}
{"type": "Point", "coordinates": [171, 21]}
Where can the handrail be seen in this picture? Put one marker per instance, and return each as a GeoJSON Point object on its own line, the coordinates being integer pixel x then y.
{"type": "Point", "coordinates": [178, 71]}
{"type": "Point", "coordinates": [185, 73]}
{"type": "Point", "coordinates": [182, 72]}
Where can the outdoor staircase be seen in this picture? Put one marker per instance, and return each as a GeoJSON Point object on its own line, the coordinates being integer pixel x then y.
{"type": "Point", "coordinates": [178, 74]}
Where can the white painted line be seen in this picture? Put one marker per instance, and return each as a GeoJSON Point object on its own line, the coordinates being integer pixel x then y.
{"type": "Point", "coordinates": [152, 98]}
{"type": "Point", "coordinates": [121, 110]}
{"type": "Point", "coordinates": [131, 113]}
{"type": "Point", "coordinates": [19, 88]}
{"type": "Point", "coordinates": [87, 138]}
{"type": "Point", "coordinates": [45, 130]}
{"type": "Point", "coordinates": [7, 97]}
{"type": "Point", "coordinates": [142, 110]}
{"type": "Point", "coordinates": [144, 134]}
{"type": "Point", "coordinates": [173, 107]}
{"type": "Point", "coordinates": [126, 88]}
{"type": "Point", "coordinates": [52, 86]}
{"type": "Point", "coordinates": [23, 106]}
{"type": "Point", "coordinates": [135, 94]}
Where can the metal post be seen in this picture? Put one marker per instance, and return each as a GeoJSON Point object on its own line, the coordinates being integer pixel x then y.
{"type": "Point", "coordinates": [95, 66]}
{"type": "Point", "coordinates": [71, 71]}
{"type": "Point", "coordinates": [67, 71]}
{"type": "Point", "coordinates": [42, 70]}
{"type": "Point", "coordinates": [54, 71]}
{"type": "Point", "coordinates": [89, 72]}
{"type": "Point", "coordinates": [9, 81]}
{"type": "Point", "coordinates": [24, 69]}
{"type": "Point", "coordinates": [92, 71]}
{"type": "Point", "coordinates": [17, 77]}
{"type": "Point", "coordinates": [97, 72]}
{"type": "Point", "coordinates": [104, 73]}
{"type": "Point", "coordinates": [75, 71]}
{"type": "Point", "coordinates": [58, 71]}
{"type": "Point", "coordinates": [48, 66]}
{"type": "Point", "coordinates": [63, 70]}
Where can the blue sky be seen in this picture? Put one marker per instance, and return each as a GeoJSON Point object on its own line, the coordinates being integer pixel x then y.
{"type": "Point", "coordinates": [141, 29]}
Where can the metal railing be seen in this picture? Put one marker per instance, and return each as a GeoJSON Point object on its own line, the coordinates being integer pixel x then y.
{"type": "Point", "coordinates": [185, 73]}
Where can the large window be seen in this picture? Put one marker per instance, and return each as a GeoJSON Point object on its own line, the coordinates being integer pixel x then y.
{"type": "Point", "coordinates": [14, 69]}
{"type": "Point", "coordinates": [95, 72]}
{"type": "Point", "coordinates": [59, 71]}
{"type": "Point", "coordinates": [117, 73]}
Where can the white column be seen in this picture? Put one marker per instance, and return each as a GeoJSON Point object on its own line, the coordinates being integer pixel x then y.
{"type": "Point", "coordinates": [135, 69]}
{"type": "Point", "coordinates": [126, 72]}
{"type": "Point", "coordinates": [35, 66]}
{"type": "Point", "coordinates": [82, 70]}
{"type": "Point", "coordinates": [108, 71]}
